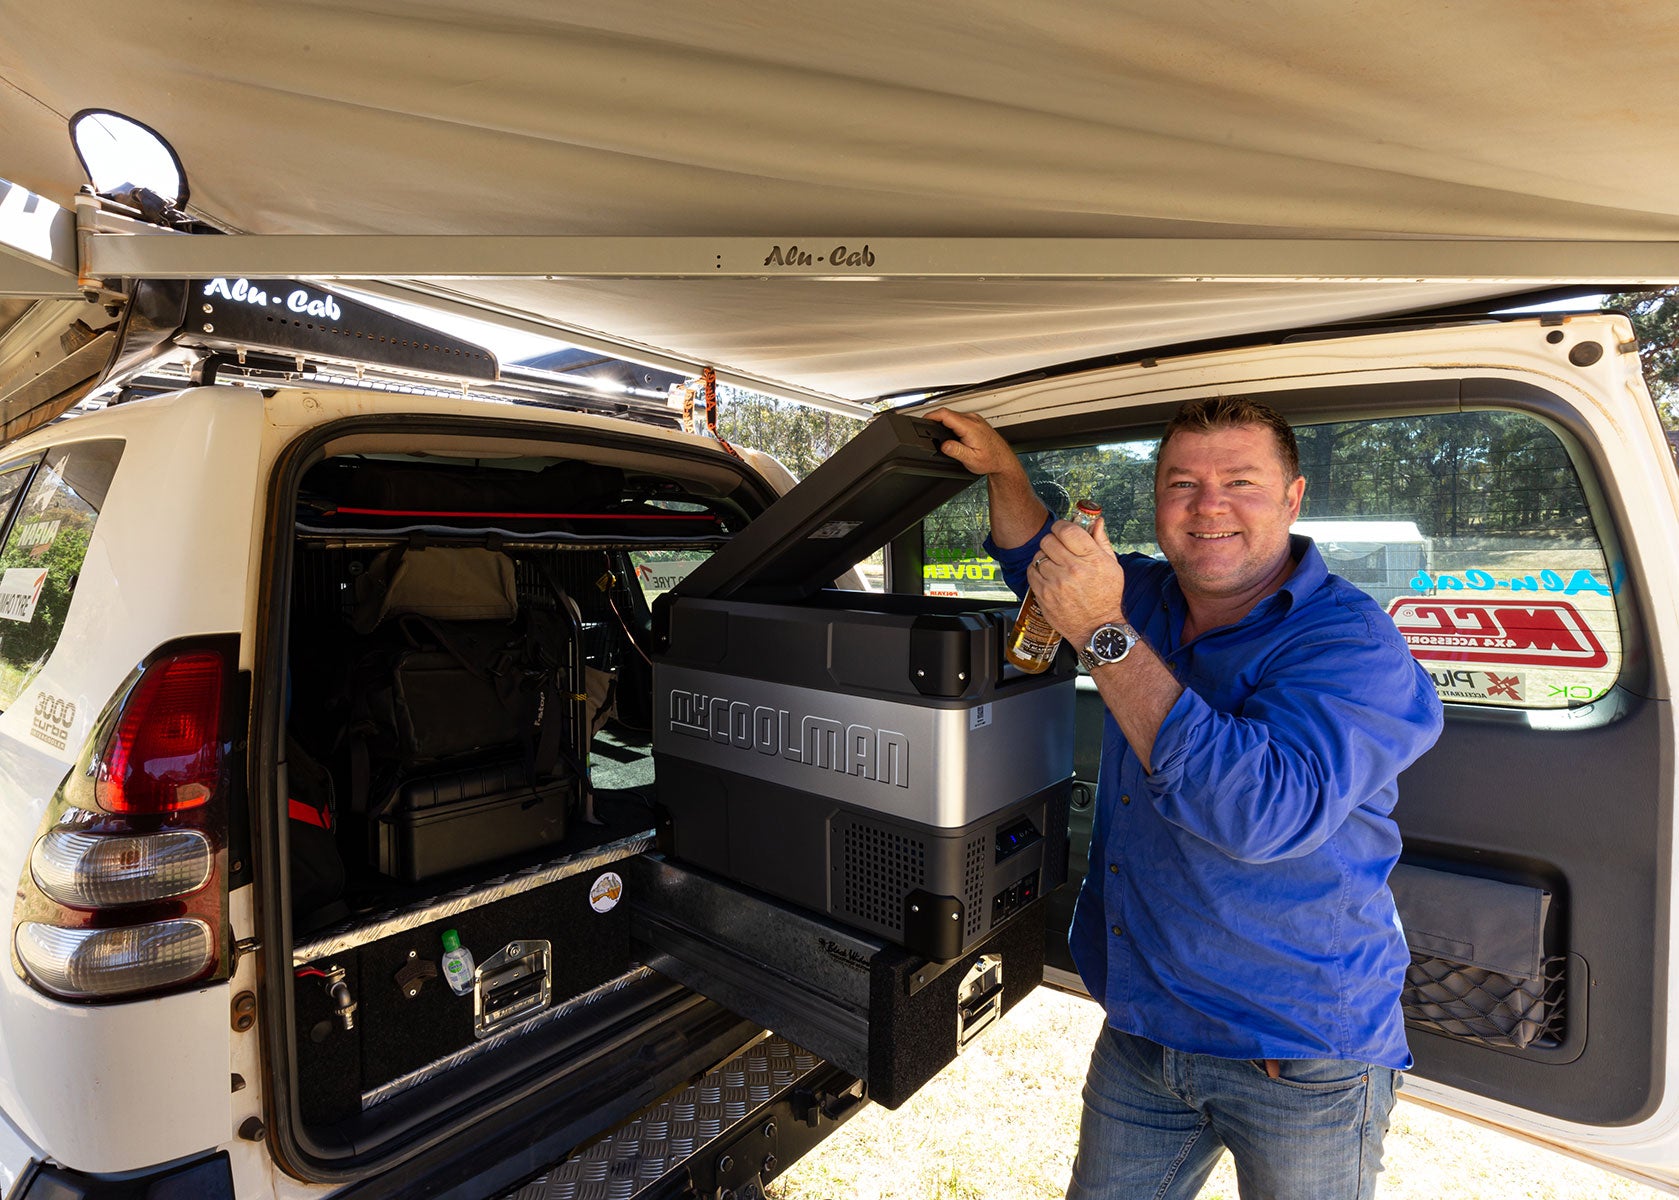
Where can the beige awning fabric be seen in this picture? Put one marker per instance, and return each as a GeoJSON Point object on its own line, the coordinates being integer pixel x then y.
{"type": "Point", "coordinates": [885, 118]}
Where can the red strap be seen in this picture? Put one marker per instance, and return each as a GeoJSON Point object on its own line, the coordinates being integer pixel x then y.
{"type": "Point", "coordinates": [297, 810]}
{"type": "Point", "coordinates": [524, 516]}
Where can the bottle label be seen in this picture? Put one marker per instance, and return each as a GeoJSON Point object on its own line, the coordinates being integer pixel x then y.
{"type": "Point", "coordinates": [1033, 639]}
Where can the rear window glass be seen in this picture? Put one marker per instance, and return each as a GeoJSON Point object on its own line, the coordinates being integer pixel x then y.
{"type": "Point", "coordinates": [42, 557]}
{"type": "Point", "coordinates": [1471, 529]}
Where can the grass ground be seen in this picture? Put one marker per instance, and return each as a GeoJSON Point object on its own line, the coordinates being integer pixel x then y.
{"type": "Point", "coordinates": [1000, 1123]}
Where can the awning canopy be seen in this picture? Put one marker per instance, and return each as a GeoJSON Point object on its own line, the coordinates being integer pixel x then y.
{"type": "Point", "coordinates": [1224, 124]}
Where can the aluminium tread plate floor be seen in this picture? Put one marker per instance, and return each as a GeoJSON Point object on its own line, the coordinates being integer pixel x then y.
{"type": "Point", "coordinates": [623, 1164]}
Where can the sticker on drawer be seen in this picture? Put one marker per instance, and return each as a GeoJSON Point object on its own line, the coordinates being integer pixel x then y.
{"type": "Point", "coordinates": [606, 891]}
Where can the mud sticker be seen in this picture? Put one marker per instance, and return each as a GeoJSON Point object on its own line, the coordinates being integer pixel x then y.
{"type": "Point", "coordinates": [20, 591]}
{"type": "Point", "coordinates": [53, 718]}
{"type": "Point", "coordinates": [1508, 632]}
{"type": "Point", "coordinates": [606, 891]}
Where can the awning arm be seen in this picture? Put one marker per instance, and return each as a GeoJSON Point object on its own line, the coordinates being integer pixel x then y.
{"type": "Point", "coordinates": [37, 247]}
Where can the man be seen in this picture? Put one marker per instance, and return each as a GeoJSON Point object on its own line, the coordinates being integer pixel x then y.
{"type": "Point", "coordinates": [1235, 921]}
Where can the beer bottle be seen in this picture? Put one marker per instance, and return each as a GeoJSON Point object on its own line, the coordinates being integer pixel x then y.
{"type": "Point", "coordinates": [1032, 643]}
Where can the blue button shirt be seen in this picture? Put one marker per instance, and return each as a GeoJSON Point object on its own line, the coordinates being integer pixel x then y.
{"type": "Point", "coordinates": [1237, 902]}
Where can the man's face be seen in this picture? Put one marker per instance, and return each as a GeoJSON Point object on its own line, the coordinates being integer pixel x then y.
{"type": "Point", "coordinates": [1223, 508]}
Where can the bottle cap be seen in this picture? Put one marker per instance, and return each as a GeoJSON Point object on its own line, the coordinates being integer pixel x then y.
{"type": "Point", "coordinates": [451, 940]}
{"type": "Point", "coordinates": [1091, 507]}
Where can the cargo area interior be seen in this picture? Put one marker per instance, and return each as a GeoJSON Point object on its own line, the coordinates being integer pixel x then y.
{"type": "Point", "coordinates": [468, 702]}
{"type": "Point", "coordinates": [475, 627]}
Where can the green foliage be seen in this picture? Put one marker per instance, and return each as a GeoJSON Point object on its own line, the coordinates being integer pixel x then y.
{"type": "Point", "coordinates": [801, 438]}
{"type": "Point", "coordinates": [1459, 474]}
{"type": "Point", "coordinates": [1484, 474]}
{"type": "Point", "coordinates": [1655, 319]}
{"type": "Point", "coordinates": [24, 644]}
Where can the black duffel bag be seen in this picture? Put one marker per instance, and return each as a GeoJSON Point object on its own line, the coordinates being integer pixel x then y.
{"type": "Point", "coordinates": [464, 736]}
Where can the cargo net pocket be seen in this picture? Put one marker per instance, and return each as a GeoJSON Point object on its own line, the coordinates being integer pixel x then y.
{"type": "Point", "coordinates": [1485, 1007]}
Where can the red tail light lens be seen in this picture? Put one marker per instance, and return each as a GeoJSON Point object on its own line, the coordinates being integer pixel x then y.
{"type": "Point", "coordinates": [165, 753]}
{"type": "Point", "coordinates": [126, 889]}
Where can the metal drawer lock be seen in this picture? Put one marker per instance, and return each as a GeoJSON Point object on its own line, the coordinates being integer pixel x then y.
{"type": "Point", "coordinates": [979, 999]}
{"type": "Point", "coordinates": [511, 985]}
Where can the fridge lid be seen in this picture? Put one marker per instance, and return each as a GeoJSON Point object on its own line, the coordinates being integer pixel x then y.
{"type": "Point", "coordinates": [876, 486]}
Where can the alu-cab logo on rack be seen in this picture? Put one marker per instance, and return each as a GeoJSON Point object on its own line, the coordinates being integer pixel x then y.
{"type": "Point", "coordinates": [298, 300]}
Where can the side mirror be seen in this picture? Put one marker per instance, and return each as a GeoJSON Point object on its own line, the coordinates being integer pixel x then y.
{"type": "Point", "coordinates": [119, 154]}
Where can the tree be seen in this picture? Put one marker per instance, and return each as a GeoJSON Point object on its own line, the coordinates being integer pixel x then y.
{"type": "Point", "coordinates": [802, 438]}
{"type": "Point", "coordinates": [1655, 320]}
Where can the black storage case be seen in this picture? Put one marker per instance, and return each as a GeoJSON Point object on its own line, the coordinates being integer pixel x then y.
{"type": "Point", "coordinates": [869, 757]}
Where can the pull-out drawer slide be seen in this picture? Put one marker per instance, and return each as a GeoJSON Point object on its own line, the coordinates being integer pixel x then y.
{"type": "Point", "coordinates": [889, 1016]}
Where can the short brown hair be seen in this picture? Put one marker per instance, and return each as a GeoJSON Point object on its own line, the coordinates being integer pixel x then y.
{"type": "Point", "coordinates": [1224, 412]}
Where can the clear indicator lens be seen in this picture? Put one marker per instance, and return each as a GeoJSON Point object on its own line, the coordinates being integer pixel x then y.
{"type": "Point", "coordinates": [93, 870]}
{"type": "Point", "coordinates": [103, 963]}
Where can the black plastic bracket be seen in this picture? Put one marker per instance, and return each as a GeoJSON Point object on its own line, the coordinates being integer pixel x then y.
{"type": "Point", "coordinates": [933, 925]}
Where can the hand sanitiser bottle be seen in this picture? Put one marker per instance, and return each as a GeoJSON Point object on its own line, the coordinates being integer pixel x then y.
{"type": "Point", "coordinates": [1032, 643]}
{"type": "Point", "coordinates": [457, 963]}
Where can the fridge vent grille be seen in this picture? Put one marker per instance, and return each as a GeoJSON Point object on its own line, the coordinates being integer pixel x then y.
{"type": "Point", "coordinates": [881, 868]}
{"type": "Point", "coordinates": [973, 881]}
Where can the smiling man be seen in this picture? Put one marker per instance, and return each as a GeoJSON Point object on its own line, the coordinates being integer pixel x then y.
{"type": "Point", "coordinates": [1235, 922]}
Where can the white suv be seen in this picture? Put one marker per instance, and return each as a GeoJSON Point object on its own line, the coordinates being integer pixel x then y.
{"type": "Point", "coordinates": [229, 938]}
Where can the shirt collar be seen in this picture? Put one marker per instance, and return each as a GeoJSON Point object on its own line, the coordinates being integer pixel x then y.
{"type": "Point", "coordinates": [1309, 574]}
{"type": "Point", "coordinates": [1309, 570]}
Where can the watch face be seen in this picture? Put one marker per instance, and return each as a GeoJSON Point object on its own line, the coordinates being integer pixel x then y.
{"type": "Point", "coordinates": [1109, 643]}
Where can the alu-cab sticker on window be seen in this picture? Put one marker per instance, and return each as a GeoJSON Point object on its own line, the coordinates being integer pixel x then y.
{"type": "Point", "coordinates": [20, 592]}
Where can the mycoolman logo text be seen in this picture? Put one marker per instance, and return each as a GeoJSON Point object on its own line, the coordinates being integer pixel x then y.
{"type": "Point", "coordinates": [821, 742]}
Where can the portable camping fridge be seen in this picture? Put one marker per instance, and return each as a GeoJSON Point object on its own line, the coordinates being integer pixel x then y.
{"type": "Point", "coordinates": [868, 757]}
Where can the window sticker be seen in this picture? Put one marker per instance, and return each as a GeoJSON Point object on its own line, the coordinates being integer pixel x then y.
{"type": "Point", "coordinates": [663, 575]}
{"type": "Point", "coordinates": [1536, 632]}
{"type": "Point", "coordinates": [1475, 685]}
{"type": "Point", "coordinates": [20, 592]}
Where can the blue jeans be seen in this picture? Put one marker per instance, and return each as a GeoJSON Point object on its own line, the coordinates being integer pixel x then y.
{"type": "Point", "coordinates": [1156, 1120]}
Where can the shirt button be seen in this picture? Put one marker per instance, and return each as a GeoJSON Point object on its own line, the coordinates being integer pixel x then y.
{"type": "Point", "coordinates": [1114, 867]}
{"type": "Point", "coordinates": [1125, 799]}
{"type": "Point", "coordinates": [1118, 932]}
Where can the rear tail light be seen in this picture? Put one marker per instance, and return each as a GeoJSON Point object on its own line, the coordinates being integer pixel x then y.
{"type": "Point", "coordinates": [104, 964]}
{"type": "Point", "coordinates": [165, 752]}
{"type": "Point", "coordinates": [106, 870]}
{"type": "Point", "coordinates": [126, 889]}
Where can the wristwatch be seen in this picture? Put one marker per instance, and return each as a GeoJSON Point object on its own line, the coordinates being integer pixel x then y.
{"type": "Point", "coordinates": [1108, 645]}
